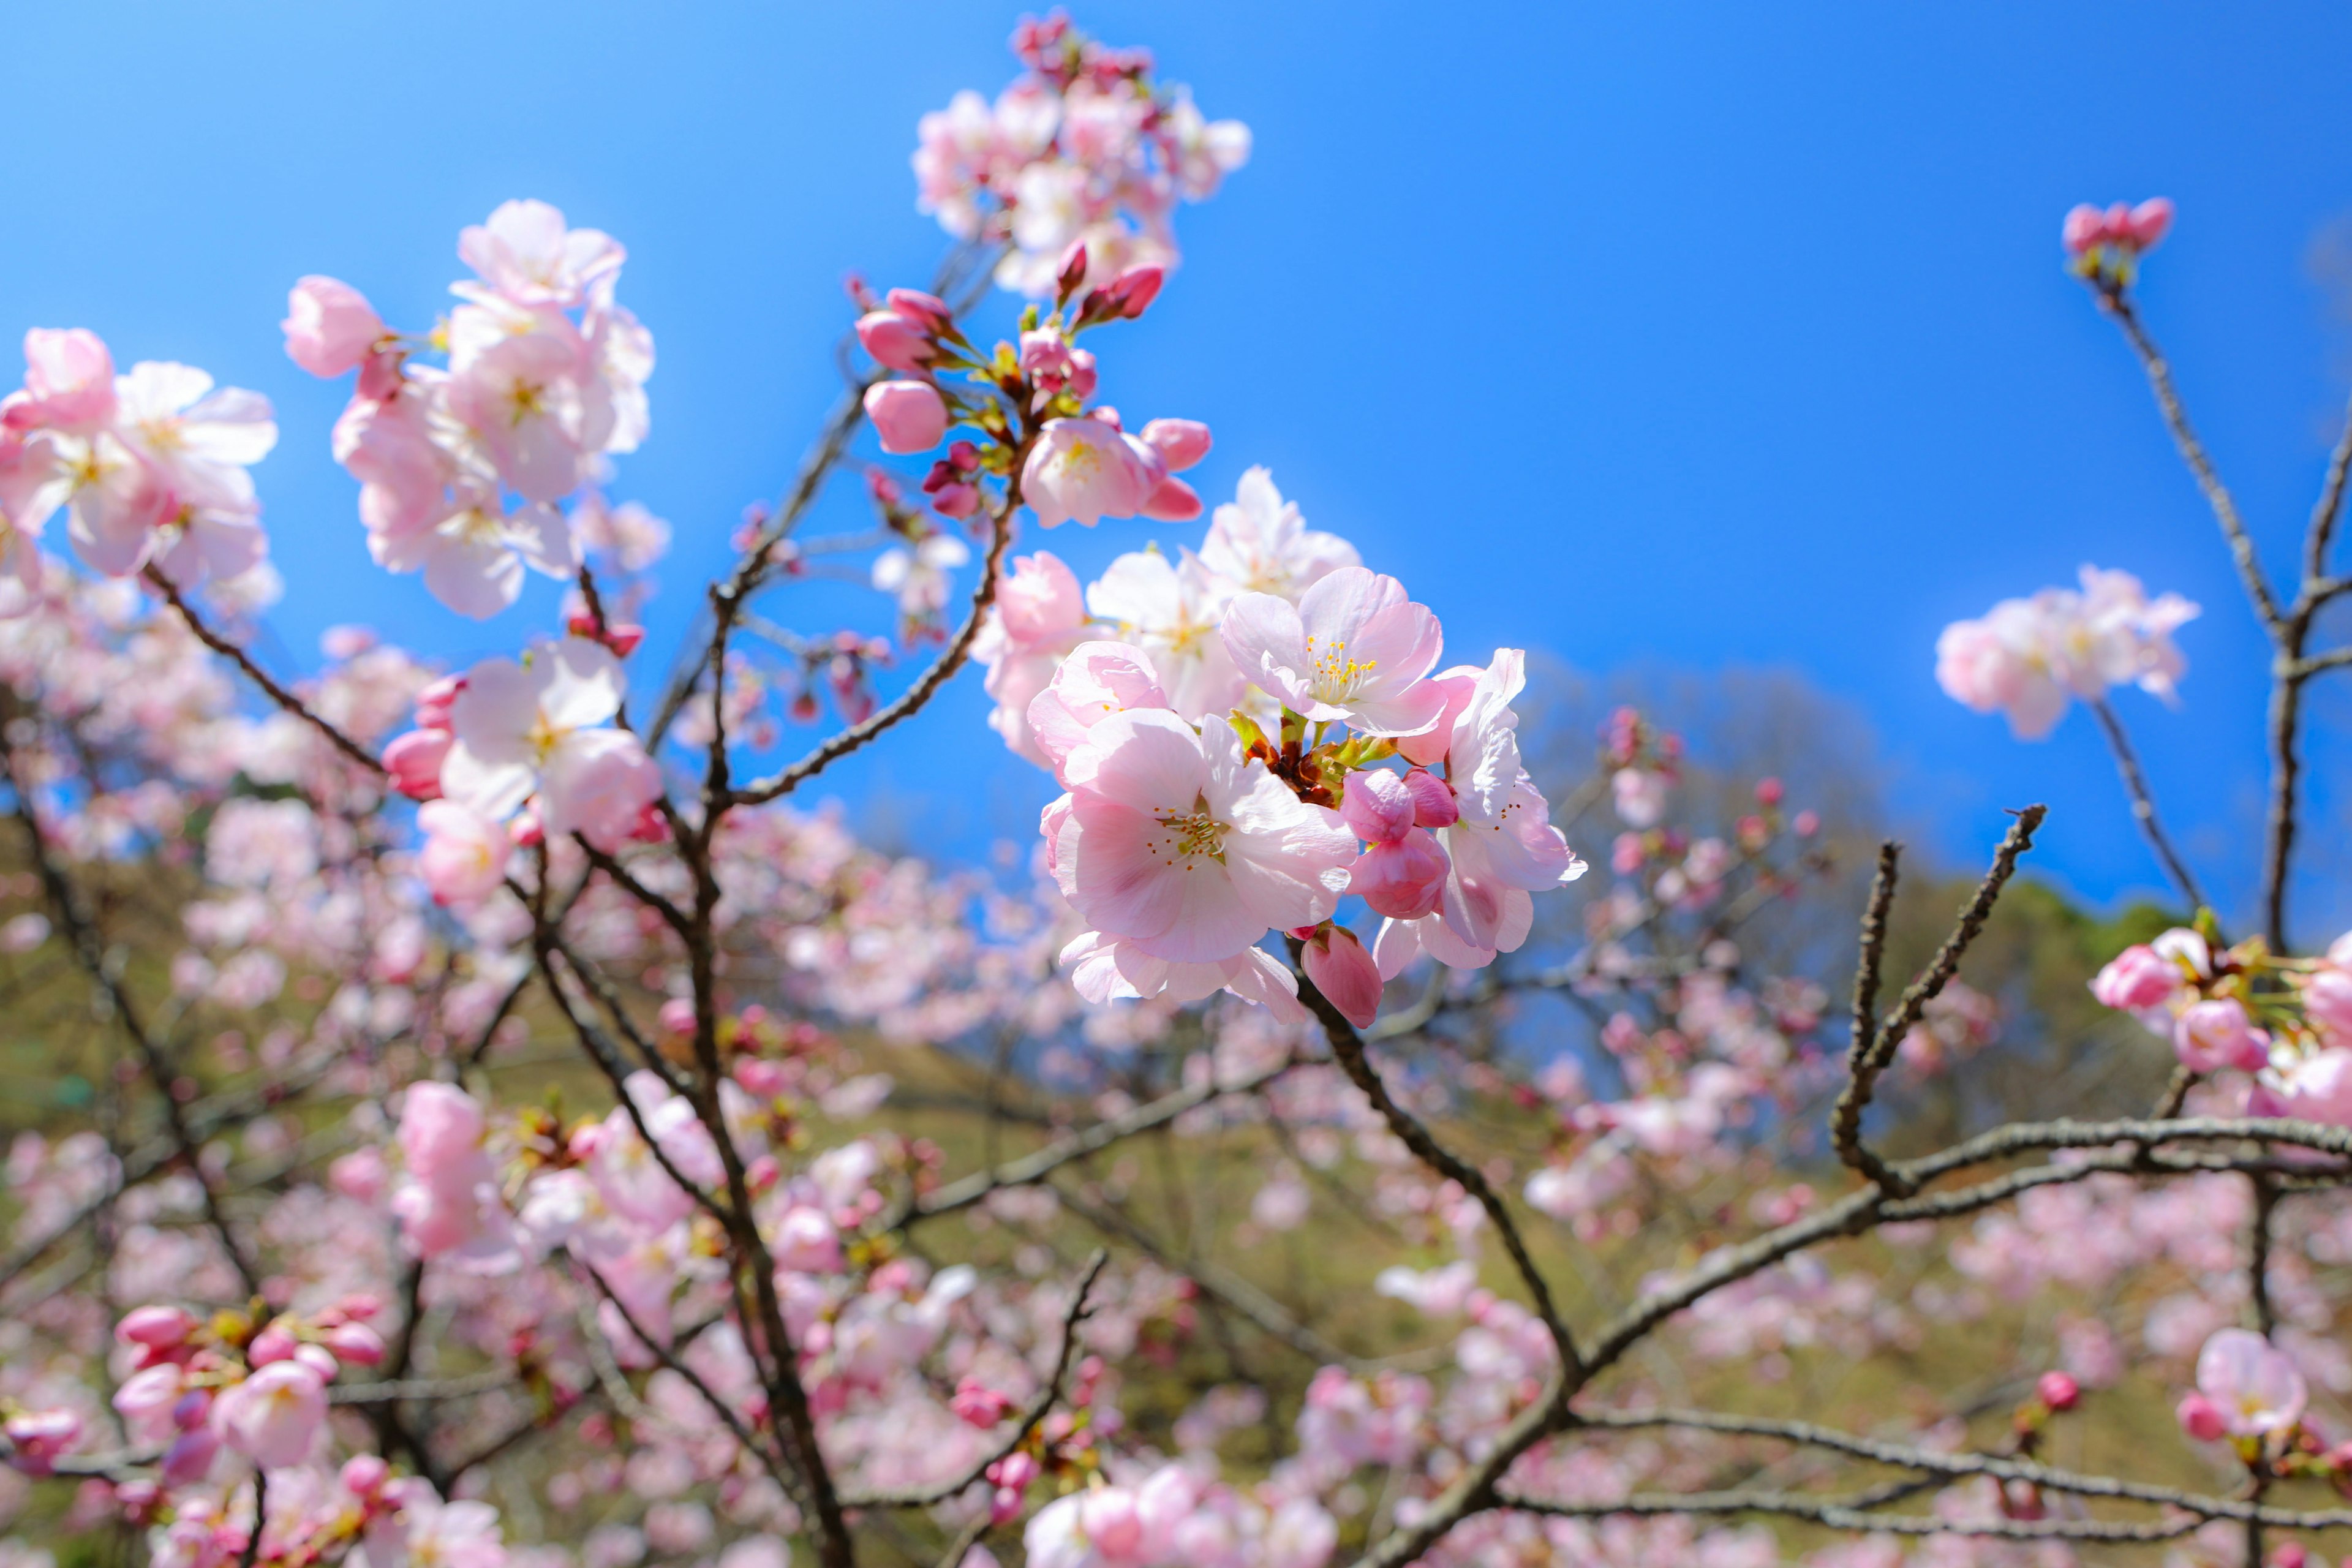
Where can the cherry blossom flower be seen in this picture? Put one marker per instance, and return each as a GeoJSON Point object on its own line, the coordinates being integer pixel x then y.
{"type": "Point", "coordinates": [917, 575]}
{"type": "Point", "coordinates": [1182, 845]}
{"type": "Point", "coordinates": [538, 727]}
{"type": "Point", "coordinates": [1171, 611]}
{"type": "Point", "coordinates": [331, 328]}
{"type": "Point", "coordinates": [1095, 680]}
{"type": "Point", "coordinates": [2252, 1384]}
{"type": "Point", "coordinates": [2026, 657]}
{"type": "Point", "coordinates": [1084, 471]}
{"type": "Point", "coordinates": [1039, 615]}
{"type": "Point", "coordinates": [1353, 649]}
{"type": "Point", "coordinates": [464, 857]}
{"type": "Point", "coordinates": [274, 1417]}
{"type": "Point", "coordinates": [1258, 542]}
{"type": "Point", "coordinates": [526, 254]}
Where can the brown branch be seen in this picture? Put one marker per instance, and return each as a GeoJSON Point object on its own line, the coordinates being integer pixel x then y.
{"type": "Point", "coordinates": [259, 675]}
{"type": "Point", "coordinates": [912, 701]}
{"type": "Point", "coordinates": [1348, 1050]}
{"type": "Point", "coordinates": [1847, 1515]}
{"type": "Point", "coordinates": [2143, 806]}
{"type": "Point", "coordinates": [1846, 1120]}
{"type": "Point", "coordinates": [2201, 466]}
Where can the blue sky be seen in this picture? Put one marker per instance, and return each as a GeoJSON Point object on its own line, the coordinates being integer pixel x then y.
{"type": "Point", "coordinates": [1693, 335]}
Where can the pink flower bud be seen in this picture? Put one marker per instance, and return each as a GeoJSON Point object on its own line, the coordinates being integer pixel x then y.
{"type": "Point", "coordinates": [273, 1418]}
{"type": "Point", "coordinates": [1433, 804]}
{"type": "Point", "coordinates": [2058, 1391]}
{"type": "Point", "coordinates": [364, 1475]}
{"type": "Point", "coordinates": [158, 1328]}
{"type": "Point", "coordinates": [2200, 1418]}
{"type": "Point", "coordinates": [436, 701]}
{"type": "Point", "coordinates": [2137, 978]}
{"type": "Point", "coordinates": [894, 341]}
{"type": "Point", "coordinates": [2150, 222]}
{"type": "Point", "coordinates": [69, 382]}
{"type": "Point", "coordinates": [1181, 442]}
{"type": "Point", "coordinates": [413, 760]}
{"type": "Point", "coordinates": [1072, 273]}
{"type": "Point", "coordinates": [2086, 228]}
{"type": "Point", "coordinates": [1378, 807]}
{"type": "Point", "coordinates": [1046, 354]}
{"type": "Point", "coordinates": [319, 1359]}
{"type": "Point", "coordinates": [189, 1458]}
{"type": "Point", "coordinates": [355, 1345]}
{"type": "Point", "coordinates": [677, 1016]}
{"type": "Point", "coordinates": [2289, 1554]}
{"type": "Point", "coordinates": [908, 415]}
{"type": "Point", "coordinates": [360, 1306]}
{"type": "Point", "coordinates": [1133, 290]}
{"type": "Point", "coordinates": [271, 1344]}
{"type": "Point", "coordinates": [40, 1436]}
{"type": "Point", "coordinates": [977, 1405]}
{"type": "Point", "coordinates": [956, 501]}
{"type": "Point", "coordinates": [2211, 1035]}
{"type": "Point", "coordinates": [2327, 1003]}
{"type": "Point", "coordinates": [1340, 969]}
{"type": "Point", "coordinates": [330, 326]}
{"type": "Point", "coordinates": [1172, 500]}
{"type": "Point", "coordinates": [928, 312]}
{"type": "Point", "coordinates": [1403, 880]}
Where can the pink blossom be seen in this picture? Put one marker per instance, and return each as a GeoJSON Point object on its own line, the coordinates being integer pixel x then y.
{"type": "Point", "coordinates": [39, 1436]}
{"type": "Point", "coordinates": [472, 548]}
{"type": "Point", "coordinates": [1404, 878]}
{"type": "Point", "coordinates": [2316, 1087]}
{"type": "Point", "coordinates": [2058, 1391]}
{"type": "Point", "coordinates": [1378, 807]}
{"type": "Point", "coordinates": [1178, 843]}
{"type": "Point", "coordinates": [977, 1405]}
{"type": "Point", "coordinates": [2327, 1003]}
{"type": "Point", "coordinates": [2211, 1035]}
{"type": "Point", "coordinates": [806, 1242]}
{"type": "Point", "coordinates": [908, 415]}
{"type": "Point", "coordinates": [274, 1417]}
{"type": "Point", "coordinates": [1084, 471]}
{"type": "Point", "coordinates": [1170, 612]}
{"type": "Point", "coordinates": [69, 382]}
{"type": "Point", "coordinates": [894, 341]}
{"type": "Point", "coordinates": [1344, 972]}
{"type": "Point", "coordinates": [526, 254]}
{"type": "Point", "coordinates": [1039, 615]}
{"type": "Point", "coordinates": [2250, 1382]}
{"type": "Point", "coordinates": [464, 857]}
{"type": "Point", "coordinates": [1353, 649]}
{"type": "Point", "coordinates": [1094, 682]}
{"type": "Point", "coordinates": [1259, 544]}
{"type": "Point", "coordinates": [156, 1327]}
{"type": "Point", "coordinates": [330, 326]}
{"type": "Point", "coordinates": [2136, 979]}
{"type": "Point", "coordinates": [413, 761]}
{"type": "Point", "coordinates": [1180, 443]}
{"type": "Point", "coordinates": [519, 726]}
{"type": "Point", "coordinates": [147, 1399]}
{"type": "Point", "coordinates": [1108, 969]}
{"type": "Point", "coordinates": [917, 576]}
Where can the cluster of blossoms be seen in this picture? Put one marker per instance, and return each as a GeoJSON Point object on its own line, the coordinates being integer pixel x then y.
{"type": "Point", "coordinates": [2027, 657]}
{"type": "Point", "coordinates": [149, 464]}
{"type": "Point", "coordinates": [2285, 1022]}
{"type": "Point", "coordinates": [2104, 245]}
{"type": "Point", "coordinates": [463, 467]}
{"type": "Point", "coordinates": [1084, 149]}
{"type": "Point", "coordinates": [1219, 724]}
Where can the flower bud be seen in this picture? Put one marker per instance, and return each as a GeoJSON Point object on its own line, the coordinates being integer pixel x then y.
{"type": "Point", "coordinates": [2135, 979]}
{"type": "Point", "coordinates": [2058, 1391]}
{"type": "Point", "coordinates": [355, 1343]}
{"type": "Point", "coordinates": [413, 761]}
{"type": "Point", "coordinates": [1181, 442]}
{"type": "Point", "coordinates": [908, 415]}
{"type": "Point", "coordinates": [1378, 807]}
{"type": "Point", "coordinates": [2086, 228]}
{"type": "Point", "coordinates": [189, 1458]}
{"type": "Point", "coordinates": [1432, 799]}
{"type": "Point", "coordinates": [1339, 968]}
{"type": "Point", "coordinates": [1132, 291]}
{"type": "Point", "coordinates": [894, 341]}
{"type": "Point", "coordinates": [330, 326]}
{"type": "Point", "coordinates": [927, 312]}
{"type": "Point", "coordinates": [2211, 1035]}
{"type": "Point", "coordinates": [157, 1328]}
{"type": "Point", "coordinates": [364, 1475]}
{"type": "Point", "coordinates": [272, 1344]}
{"type": "Point", "coordinates": [1072, 273]}
{"type": "Point", "coordinates": [2200, 1418]}
{"type": "Point", "coordinates": [1403, 880]}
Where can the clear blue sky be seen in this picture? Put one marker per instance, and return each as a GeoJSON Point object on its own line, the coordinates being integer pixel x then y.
{"type": "Point", "coordinates": [1692, 334]}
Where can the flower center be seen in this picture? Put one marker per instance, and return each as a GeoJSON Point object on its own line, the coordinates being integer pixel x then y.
{"type": "Point", "coordinates": [1192, 835]}
{"type": "Point", "coordinates": [1337, 677]}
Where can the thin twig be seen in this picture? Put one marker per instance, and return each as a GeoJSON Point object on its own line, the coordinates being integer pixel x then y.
{"type": "Point", "coordinates": [259, 675]}
{"type": "Point", "coordinates": [2143, 806]}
